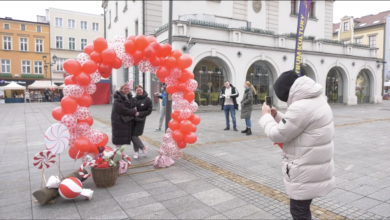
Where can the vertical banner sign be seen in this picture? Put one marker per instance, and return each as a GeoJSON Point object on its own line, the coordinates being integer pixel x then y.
{"type": "Point", "coordinates": [304, 7]}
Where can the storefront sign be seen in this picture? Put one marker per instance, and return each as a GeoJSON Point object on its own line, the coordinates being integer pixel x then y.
{"type": "Point", "coordinates": [6, 81]}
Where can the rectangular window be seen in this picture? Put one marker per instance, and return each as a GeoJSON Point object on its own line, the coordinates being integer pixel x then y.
{"type": "Point", "coordinates": [6, 43]}
{"type": "Point", "coordinates": [5, 66]}
{"type": "Point", "coordinates": [294, 7]}
{"type": "Point", "coordinates": [59, 64]}
{"type": "Point", "coordinates": [312, 10]}
{"type": "Point", "coordinates": [83, 25]}
{"type": "Point", "coordinates": [83, 43]}
{"type": "Point", "coordinates": [38, 45]}
{"type": "Point", "coordinates": [59, 42]}
{"type": "Point", "coordinates": [6, 26]}
{"type": "Point", "coordinates": [71, 23]}
{"type": "Point", "coordinates": [23, 44]}
{"type": "Point", "coordinates": [372, 41]}
{"type": "Point", "coordinates": [38, 28]}
{"type": "Point", "coordinates": [72, 43]}
{"type": "Point", "coordinates": [136, 28]}
{"type": "Point", "coordinates": [22, 27]}
{"type": "Point", "coordinates": [58, 22]}
{"type": "Point", "coordinates": [346, 26]}
{"type": "Point", "coordinates": [95, 26]}
{"type": "Point", "coordinates": [26, 66]}
{"type": "Point", "coordinates": [38, 67]}
{"type": "Point", "coordinates": [359, 40]}
{"type": "Point", "coordinates": [346, 42]}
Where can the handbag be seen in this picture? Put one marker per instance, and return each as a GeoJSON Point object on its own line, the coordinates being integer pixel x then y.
{"type": "Point", "coordinates": [126, 119]}
{"type": "Point", "coordinates": [139, 119]}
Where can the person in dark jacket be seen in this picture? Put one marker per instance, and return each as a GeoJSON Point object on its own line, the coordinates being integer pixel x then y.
{"type": "Point", "coordinates": [228, 97]}
{"type": "Point", "coordinates": [61, 95]}
{"type": "Point", "coordinates": [162, 96]}
{"type": "Point", "coordinates": [143, 106]}
{"type": "Point", "coordinates": [246, 106]}
{"type": "Point", "coordinates": [122, 116]}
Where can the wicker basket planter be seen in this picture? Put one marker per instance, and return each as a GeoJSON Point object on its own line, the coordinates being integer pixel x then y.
{"type": "Point", "coordinates": [105, 177]}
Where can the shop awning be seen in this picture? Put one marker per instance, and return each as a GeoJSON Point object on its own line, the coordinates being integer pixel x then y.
{"type": "Point", "coordinates": [42, 85]}
{"type": "Point", "coordinates": [14, 86]}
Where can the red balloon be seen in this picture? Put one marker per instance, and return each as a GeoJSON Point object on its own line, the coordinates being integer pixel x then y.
{"type": "Point", "coordinates": [95, 56]}
{"type": "Point", "coordinates": [72, 67]}
{"type": "Point", "coordinates": [104, 69]}
{"type": "Point", "coordinates": [74, 153]}
{"type": "Point", "coordinates": [89, 67]}
{"type": "Point", "coordinates": [181, 87]}
{"type": "Point", "coordinates": [173, 125]}
{"type": "Point", "coordinates": [85, 100]}
{"type": "Point", "coordinates": [184, 62]}
{"type": "Point", "coordinates": [131, 37]}
{"type": "Point", "coordinates": [179, 118]}
{"type": "Point", "coordinates": [162, 72]}
{"type": "Point", "coordinates": [70, 80]}
{"type": "Point", "coordinates": [193, 129]}
{"type": "Point", "coordinates": [83, 79]}
{"type": "Point", "coordinates": [185, 126]}
{"type": "Point", "coordinates": [165, 50]}
{"type": "Point", "coordinates": [105, 75]}
{"type": "Point", "coordinates": [171, 62]}
{"type": "Point", "coordinates": [129, 47]}
{"type": "Point", "coordinates": [181, 144]}
{"type": "Point", "coordinates": [176, 54]}
{"type": "Point", "coordinates": [175, 114]}
{"type": "Point", "coordinates": [89, 121]}
{"type": "Point", "coordinates": [195, 120]}
{"type": "Point", "coordinates": [140, 42]}
{"type": "Point", "coordinates": [163, 61]}
{"type": "Point", "coordinates": [99, 44]}
{"type": "Point", "coordinates": [155, 61]}
{"type": "Point", "coordinates": [57, 113]}
{"type": "Point", "coordinates": [109, 55]}
{"type": "Point", "coordinates": [82, 144]}
{"type": "Point", "coordinates": [190, 138]}
{"type": "Point", "coordinates": [191, 117]}
{"type": "Point", "coordinates": [104, 141]}
{"type": "Point", "coordinates": [117, 63]}
{"type": "Point", "coordinates": [93, 149]}
{"type": "Point", "coordinates": [150, 53]}
{"type": "Point", "coordinates": [68, 105]}
{"type": "Point", "coordinates": [138, 56]}
{"type": "Point", "coordinates": [189, 96]}
{"type": "Point", "coordinates": [151, 39]}
{"type": "Point", "coordinates": [177, 136]}
{"type": "Point", "coordinates": [156, 46]}
{"type": "Point", "coordinates": [162, 80]}
{"type": "Point", "coordinates": [88, 49]}
{"type": "Point", "coordinates": [171, 89]}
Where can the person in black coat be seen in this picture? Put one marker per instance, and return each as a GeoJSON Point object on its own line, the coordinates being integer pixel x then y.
{"type": "Point", "coordinates": [122, 116]}
{"type": "Point", "coordinates": [228, 97]}
{"type": "Point", "coordinates": [143, 106]}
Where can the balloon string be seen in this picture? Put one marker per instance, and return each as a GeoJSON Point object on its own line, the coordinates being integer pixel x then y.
{"type": "Point", "coordinates": [42, 177]}
{"type": "Point", "coordinates": [75, 159]}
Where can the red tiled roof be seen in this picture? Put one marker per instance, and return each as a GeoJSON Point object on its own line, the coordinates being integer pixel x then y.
{"type": "Point", "coordinates": [368, 20]}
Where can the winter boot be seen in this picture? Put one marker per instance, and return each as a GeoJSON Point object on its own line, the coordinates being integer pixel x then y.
{"type": "Point", "coordinates": [245, 131]}
{"type": "Point", "coordinates": [249, 132]}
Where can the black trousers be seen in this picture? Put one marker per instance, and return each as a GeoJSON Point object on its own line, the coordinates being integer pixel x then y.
{"type": "Point", "coordinates": [300, 209]}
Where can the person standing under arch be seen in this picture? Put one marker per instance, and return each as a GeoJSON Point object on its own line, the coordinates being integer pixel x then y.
{"type": "Point", "coordinates": [246, 106]}
{"type": "Point", "coordinates": [228, 97]}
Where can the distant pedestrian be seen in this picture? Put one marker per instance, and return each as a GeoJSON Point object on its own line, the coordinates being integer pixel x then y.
{"type": "Point", "coordinates": [61, 94]}
{"type": "Point", "coordinates": [306, 131]}
{"type": "Point", "coordinates": [228, 97]}
{"type": "Point", "coordinates": [246, 106]}
{"type": "Point", "coordinates": [47, 94]}
{"type": "Point", "coordinates": [162, 96]}
{"type": "Point", "coordinates": [27, 96]}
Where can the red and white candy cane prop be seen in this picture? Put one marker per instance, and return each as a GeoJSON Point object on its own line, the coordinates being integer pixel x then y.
{"type": "Point", "coordinates": [87, 164]}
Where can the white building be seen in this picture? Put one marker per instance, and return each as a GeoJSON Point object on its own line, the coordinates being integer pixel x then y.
{"type": "Point", "coordinates": [251, 41]}
{"type": "Point", "coordinates": [70, 32]}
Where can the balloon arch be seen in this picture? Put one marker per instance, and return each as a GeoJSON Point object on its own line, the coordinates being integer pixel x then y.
{"type": "Point", "coordinates": [97, 61]}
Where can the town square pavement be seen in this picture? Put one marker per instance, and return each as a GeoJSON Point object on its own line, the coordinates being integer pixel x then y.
{"type": "Point", "coordinates": [224, 175]}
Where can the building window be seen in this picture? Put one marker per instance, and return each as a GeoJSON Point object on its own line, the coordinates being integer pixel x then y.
{"type": "Point", "coordinates": [58, 22]}
{"type": "Point", "coordinates": [136, 28]}
{"type": "Point", "coordinates": [83, 25]}
{"type": "Point", "coordinates": [72, 43]}
{"type": "Point", "coordinates": [83, 43]}
{"type": "Point", "coordinates": [6, 43]}
{"type": "Point", "coordinates": [5, 66]}
{"type": "Point", "coordinates": [59, 42]}
{"type": "Point", "coordinates": [38, 45]}
{"type": "Point", "coordinates": [71, 23]}
{"type": "Point", "coordinates": [294, 7]}
{"type": "Point", "coordinates": [6, 26]}
{"type": "Point", "coordinates": [346, 42]}
{"type": "Point", "coordinates": [38, 67]}
{"type": "Point", "coordinates": [23, 44]}
{"type": "Point", "coordinates": [26, 66]}
{"type": "Point", "coordinates": [346, 26]}
{"type": "Point", "coordinates": [59, 63]}
{"type": "Point", "coordinates": [372, 41]}
{"type": "Point", "coordinates": [39, 29]}
{"type": "Point", "coordinates": [22, 27]}
{"type": "Point", "coordinates": [359, 40]}
{"type": "Point", "coordinates": [312, 12]}
{"type": "Point", "coordinates": [95, 26]}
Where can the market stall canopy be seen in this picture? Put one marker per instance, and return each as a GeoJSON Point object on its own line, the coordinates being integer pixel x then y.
{"type": "Point", "coordinates": [62, 86]}
{"type": "Point", "coordinates": [387, 84]}
{"type": "Point", "coordinates": [14, 86]}
{"type": "Point", "coordinates": [42, 85]}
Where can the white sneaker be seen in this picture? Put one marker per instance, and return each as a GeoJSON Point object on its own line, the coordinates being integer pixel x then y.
{"type": "Point", "coordinates": [145, 151]}
{"type": "Point", "coordinates": [135, 155]}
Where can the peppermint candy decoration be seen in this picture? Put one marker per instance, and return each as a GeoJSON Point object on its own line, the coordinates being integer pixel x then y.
{"type": "Point", "coordinates": [44, 159]}
{"type": "Point", "coordinates": [82, 58]}
{"type": "Point", "coordinates": [57, 138]}
{"type": "Point", "coordinates": [90, 89]}
{"type": "Point", "coordinates": [127, 60]}
{"type": "Point", "coordinates": [82, 113]}
{"type": "Point", "coordinates": [144, 66]}
{"type": "Point", "coordinates": [126, 158]}
{"type": "Point", "coordinates": [95, 77]}
{"type": "Point", "coordinates": [76, 91]}
{"type": "Point", "coordinates": [191, 85]}
{"type": "Point", "coordinates": [177, 96]}
{"type": "Point", "coordinates": [175, 73]}
{"type": "Point", "coordinates": [171, 81]}
{"type": "Point", "coordinates": [193, 106]}
{"type": "Point", "coordinates": [185, 113]}
{"type": "Point", "coordinates": [69, 120]}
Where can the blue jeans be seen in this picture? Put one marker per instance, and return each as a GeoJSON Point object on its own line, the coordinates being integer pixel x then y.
{"type": "Point", "coordinates": [227, 109]}
{"type": "Point", "coordinates": [248, 122]}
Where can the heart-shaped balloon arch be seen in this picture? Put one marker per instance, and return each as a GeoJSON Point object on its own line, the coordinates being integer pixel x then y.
{"type": "Point", "coordinates": [97, 61]}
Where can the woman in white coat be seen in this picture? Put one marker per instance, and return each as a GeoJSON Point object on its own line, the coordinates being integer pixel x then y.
{"type": "Point", "coordinates": [306, 132]}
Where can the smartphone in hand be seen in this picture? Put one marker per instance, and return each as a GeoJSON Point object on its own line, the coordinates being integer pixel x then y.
{"type": "Point", "coordinates": [268, 101]}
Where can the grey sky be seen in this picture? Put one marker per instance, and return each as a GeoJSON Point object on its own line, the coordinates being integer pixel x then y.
{"type": "Point", "coordinates": [27, 10]}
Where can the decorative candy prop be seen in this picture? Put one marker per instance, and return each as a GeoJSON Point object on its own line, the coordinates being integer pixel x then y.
{"type": "Point", "coordinates": [43, 160]}
{"type": "Point", "coordinates": [57, 138]}
{"type": "Point", "coordinates": [69, 188]}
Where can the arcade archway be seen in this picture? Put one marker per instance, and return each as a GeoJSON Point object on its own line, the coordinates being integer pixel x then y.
{"type": "Point", "coordinates": [363, 86]}
{"type": "Point", "coordinates": [261, 76]}
{"type": "Point", "coordinates": [334, 86]}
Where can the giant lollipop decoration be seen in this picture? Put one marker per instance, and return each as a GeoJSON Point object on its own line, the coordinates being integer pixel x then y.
{"type": "Point", "coordinates": [43, 160]}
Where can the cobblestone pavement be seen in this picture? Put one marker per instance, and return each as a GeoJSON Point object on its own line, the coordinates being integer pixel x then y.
{"type": "Point", "coordinates": [225, 175]}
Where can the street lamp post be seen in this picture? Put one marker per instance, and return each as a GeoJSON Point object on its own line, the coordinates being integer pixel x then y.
{"type": "Point", "coordinates": [168, 97]}
{"type": "Point", "coordinates": [54, 58]}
